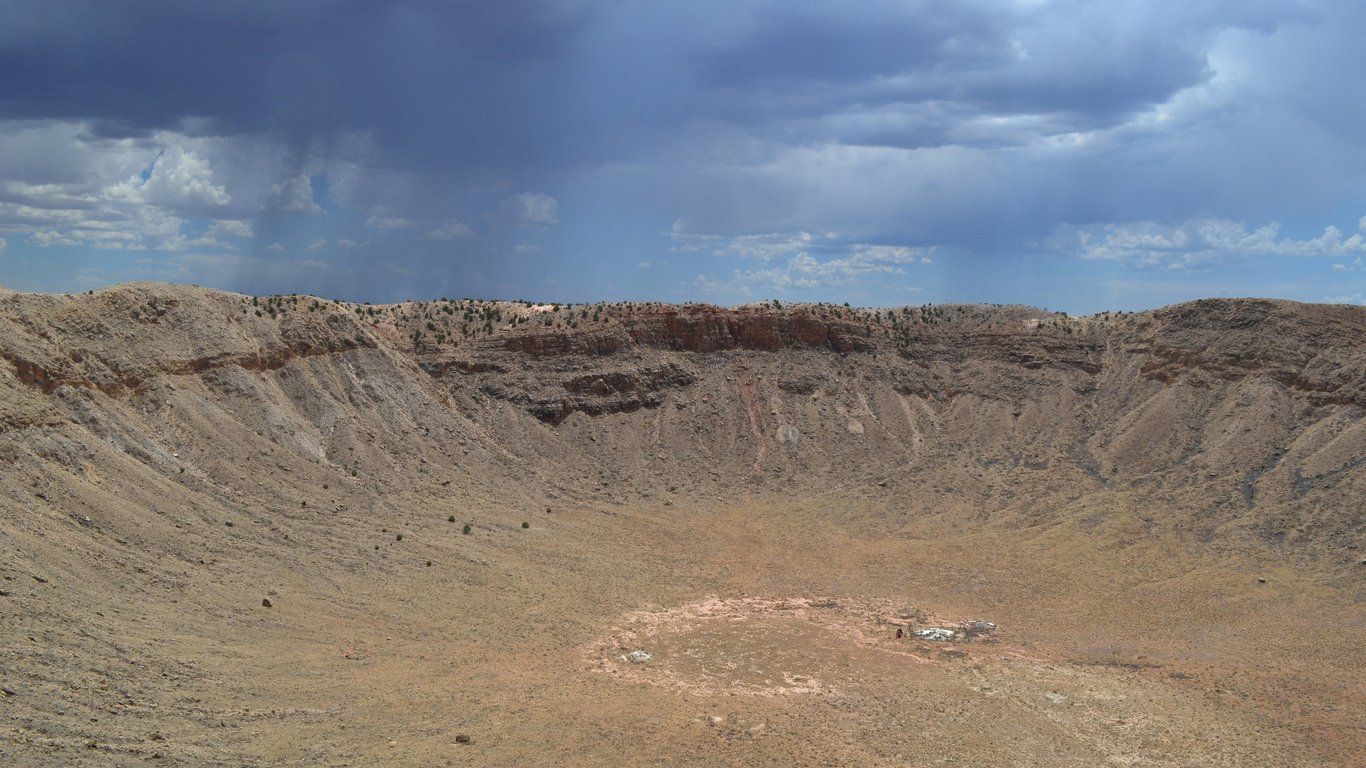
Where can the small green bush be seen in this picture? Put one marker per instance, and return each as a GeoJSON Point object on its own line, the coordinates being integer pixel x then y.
{"type": "Point", "coordinates": [450, 519]}
{"type": "Point", "coordinates": [467, 529]}
{"type": "Point", "coordinates": [398, 537]}
{"type": "Point", "coordinates": [525, 524]}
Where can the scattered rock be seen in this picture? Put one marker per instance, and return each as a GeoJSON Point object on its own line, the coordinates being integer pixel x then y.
{"type": "Point", "coordinates": [39, 579]}
{"type": "Point", "coordinates": [935, 634]}
{"type": "Point", "coordinates": [637, 657]}
{"type": "Point", "coordinates": [462, 738]}
{"type": "Point", "coordinates": [975, 627]}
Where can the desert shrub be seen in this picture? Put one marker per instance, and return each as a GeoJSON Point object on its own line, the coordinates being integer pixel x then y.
{"type": "Point", "coordinates": [450, 519]}
{"type": "Point", "coordinates": [525, 524]}
{"type": "Point", "coordinates": [467, 530]}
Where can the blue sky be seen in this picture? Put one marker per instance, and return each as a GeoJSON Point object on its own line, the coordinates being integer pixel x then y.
{"type": "Point", "coordinates": [1079, 156]}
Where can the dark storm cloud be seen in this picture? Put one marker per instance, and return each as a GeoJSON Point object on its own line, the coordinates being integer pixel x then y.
{"type": "Point", "coordinates": [1076, 66]}
{"type": "Point", "coordinates": [425, 77]}
{"type": "Point", "coordinates": [533, 83]}
{"type": "Point", "coordinates": [790, 44]}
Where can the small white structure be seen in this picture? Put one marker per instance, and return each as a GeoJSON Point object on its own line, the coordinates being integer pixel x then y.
{"type": "Point", "coordinates": [636, 657]}
{"type": "Point", "coordinates": [935, 634]}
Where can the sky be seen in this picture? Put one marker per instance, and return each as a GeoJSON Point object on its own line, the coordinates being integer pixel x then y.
{"type": "Point", "coordinates": [1078, 156]}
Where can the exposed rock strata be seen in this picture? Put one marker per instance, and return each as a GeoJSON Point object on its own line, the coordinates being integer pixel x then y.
{"type": "Point", "coordinates": [1258, 403]}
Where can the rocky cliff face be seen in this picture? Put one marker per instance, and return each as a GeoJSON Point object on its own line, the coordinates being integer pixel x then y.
{"type": "Point", "coordinates": [703, 329]}
{"type": "Point", "coordinates": [1208, 410]}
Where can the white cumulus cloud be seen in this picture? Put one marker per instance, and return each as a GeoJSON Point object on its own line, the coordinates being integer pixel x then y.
{"type": "Point", "coordinates": [800, 261]}
{"type": "Point", "coordinates": [450, 231]}
{"type": "Point", "coordinates": [533, 208]}
{"type": "Point", "coordinates": [177, 177]}
{"type": "Point", "coordinates": [389, 222]}
{"type": "Point", "coordinates": [759, 247]}
{"type": "Point", "coordinates": [232, 228]}
{"type": "Point", "coordinates": [294, 195]}
{"type": "Point", "coordinates": [1198, 240]}
{"type": "Point", "coordinates": [62, 184]}
{"type": "Point", "coordinates": [1355, 298]}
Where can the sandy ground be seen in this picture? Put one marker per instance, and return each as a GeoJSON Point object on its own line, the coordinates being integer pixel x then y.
{"type": "Point", "coordinates": [760, 653]}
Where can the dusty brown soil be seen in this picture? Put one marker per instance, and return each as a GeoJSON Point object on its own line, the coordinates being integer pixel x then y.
{"type": "Point", "coordinates": [1161, 512]}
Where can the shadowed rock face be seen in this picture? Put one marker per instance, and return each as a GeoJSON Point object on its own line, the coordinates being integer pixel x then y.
{"type": "Point", "coordinates": [1301, 346]}
{"type": "Point", "coordinates": [715, 330]}
{"type": "Point", "coordinates": [703, 329]}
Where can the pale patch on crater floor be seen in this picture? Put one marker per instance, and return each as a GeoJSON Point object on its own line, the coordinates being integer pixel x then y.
{"type": "Point", "coordinates": [842, 657]}
{"type": "Point", "coordinates": [755, 646]}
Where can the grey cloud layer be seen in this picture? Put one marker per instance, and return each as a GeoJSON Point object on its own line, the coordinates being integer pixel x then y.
{"type": "Point", "coordinates": [974, 125]}
{"type": "Point", "coordinates": [513, 76]}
